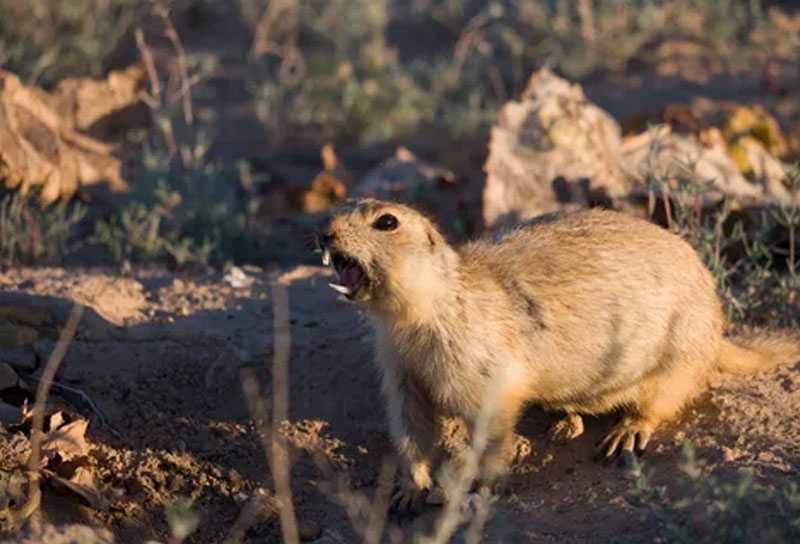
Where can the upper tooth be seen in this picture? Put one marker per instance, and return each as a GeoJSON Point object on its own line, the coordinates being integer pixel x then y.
{"type": "Point", "coordinates": [340, 288]}
{"type": "Point", "coordinates": [326, 257]}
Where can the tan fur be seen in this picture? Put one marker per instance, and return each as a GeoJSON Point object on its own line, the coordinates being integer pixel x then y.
{"type": "Point", "coordinates": [582, 312]}
{"type": "Point", "coordinates": [744, 355]}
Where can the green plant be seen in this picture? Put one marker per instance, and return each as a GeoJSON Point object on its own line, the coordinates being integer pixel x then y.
{"type": "Point", "coordinates": [152, 233]}
{"type": "Point", "coordinates": [705, 507]}
{"type": "Point", "coordinates": [50, 40]}
{"type": "Point", "coordinates": [330, 67]}
{"type": "Point", "coordinates": [352, 85]}
{"type": "Point", "coordinates": [753, 286]}
{"type": "Point", "coordinates": [30, 235]}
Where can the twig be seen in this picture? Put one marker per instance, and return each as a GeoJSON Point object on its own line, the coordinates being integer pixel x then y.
{"type": "Point", "coordinates": [273, 448]}
{"type": "Point", "coordinates": [43, 390]}
{"type": "Point", "coordinates": [150, 67]}
{"type": "Point", "coordinates": [258, 411]}
{"type": "Point", "coordinates": [261, 504]}
{"type": "Point", "coordinates": [793, 219]}
{"type": "Point", "coordinates": [383, 494]}
{"type": "Point", "coordinates": [667, 206]}
{"type": "Point", "coordinates": [58, 386]}
{"type": "Point", "coordinates": [483, 510]}
{"type": "Point", "coordinates": [280, 408]}
{"type": "Point", "coordinates": [459, 486]}
{"type": "Point", "coordinates": [183, 66]}
{"type": "Point", "coordinates": [586, 20]}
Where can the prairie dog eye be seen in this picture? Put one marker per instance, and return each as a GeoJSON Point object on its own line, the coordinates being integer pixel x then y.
{"type": "Point", "coordinates": [385, 222]}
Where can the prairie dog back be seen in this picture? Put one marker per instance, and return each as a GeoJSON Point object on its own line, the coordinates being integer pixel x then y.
{"type": "Point", "coordinates": [608, 295]}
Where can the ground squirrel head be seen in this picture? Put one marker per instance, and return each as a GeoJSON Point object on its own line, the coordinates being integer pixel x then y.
{"type": "Point", "coordinates": [384, 253]}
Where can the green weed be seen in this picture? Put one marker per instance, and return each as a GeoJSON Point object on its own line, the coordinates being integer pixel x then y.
{"type": "Point", "coordinates": [704, 507]}
{"type": "Point", "coordinates": [32, 236]}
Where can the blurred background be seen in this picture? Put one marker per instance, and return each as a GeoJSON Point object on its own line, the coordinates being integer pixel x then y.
{"type": "Point", "coordinates": [225, 113]}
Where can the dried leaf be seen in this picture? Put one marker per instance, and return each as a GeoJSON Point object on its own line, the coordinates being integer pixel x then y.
{"type": "Point", "coordinates": [326, 190]}
{"type": "Point", "coordinates": [83, 102]}
{"type": "Point", "coordinates": [56, 420]}
{"type": "Point", "coordinates": [403, 177]}
{"type": "Point", "coordinates": [84, 484]}
{"type": "Point", "coordinates": [20, 497]}
{"type": "Point", "coordinates": [39, 147]}
{"type": "Point", "coordinates": [68, 441]}
{"type": "Point", "coordinates": [758, 123]}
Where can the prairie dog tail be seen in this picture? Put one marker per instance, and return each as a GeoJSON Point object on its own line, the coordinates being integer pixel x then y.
{"type": "Point", "coordinates": [750, 354]}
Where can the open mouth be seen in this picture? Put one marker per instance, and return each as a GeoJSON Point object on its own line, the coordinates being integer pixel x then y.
{"type": "Point", "coordinates": [350, 274]}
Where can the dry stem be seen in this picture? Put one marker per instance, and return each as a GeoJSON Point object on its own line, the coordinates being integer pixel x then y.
{"type": "Point", "coordinates": [183, 66]}
{"type": "Point", "coordinates": [280, 409]}
{"type": "Point", "coordinates": [43, 390]}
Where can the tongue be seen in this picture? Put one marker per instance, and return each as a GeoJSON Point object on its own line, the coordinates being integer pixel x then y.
{"type": "Point", "coordinates": [351, 277]}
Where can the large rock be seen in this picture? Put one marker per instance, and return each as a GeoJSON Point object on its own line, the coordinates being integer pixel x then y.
{"type": "Point", "coordinates": [553, 136]}
{"type": "Point", "coordinates": [554, 149]}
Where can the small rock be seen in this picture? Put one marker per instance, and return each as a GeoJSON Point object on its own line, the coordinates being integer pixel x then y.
{"type": "Point", "coordinates": [330, 537]}
{"type": "Point", "coordinates": [236, 480]}
{"type": "Point", "coordinates": [309, 530]}
{"type": "Point", "coordinates": [8, 377]}
{"type": "Point", "coordinates": [522, 449]}
{"type": "Point", "coordinates": [176, 483]}
{"type": "Point", "coordinates": [627, 459]}
{"type": "Point", "coordinates": [237, 279]}
{"type": "Point", "coordinates": [436, 497]}
{"type": "Point", "coordinates": [17, 336]}
{"type": "Point", "coordinates": [25, 314]}
{"type": "Point", "coordinates": [118, 493]}
{"type": "Point", "coordinates": [10, 414]}
{"type": "Point", "coordinates": [326, 539]}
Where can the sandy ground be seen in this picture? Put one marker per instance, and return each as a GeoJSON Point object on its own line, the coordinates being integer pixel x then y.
{"type": "Point", "coordinates": [163, 359]}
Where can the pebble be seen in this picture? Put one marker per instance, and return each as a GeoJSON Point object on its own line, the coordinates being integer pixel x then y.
{"type": "Point", "coordinates": [8, 377]}
{"type": "Point", "coordinates": [309, 530]}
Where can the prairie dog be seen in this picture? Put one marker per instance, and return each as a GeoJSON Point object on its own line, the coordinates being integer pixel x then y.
{"type": "Point", "coordinates": [582, 312]}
